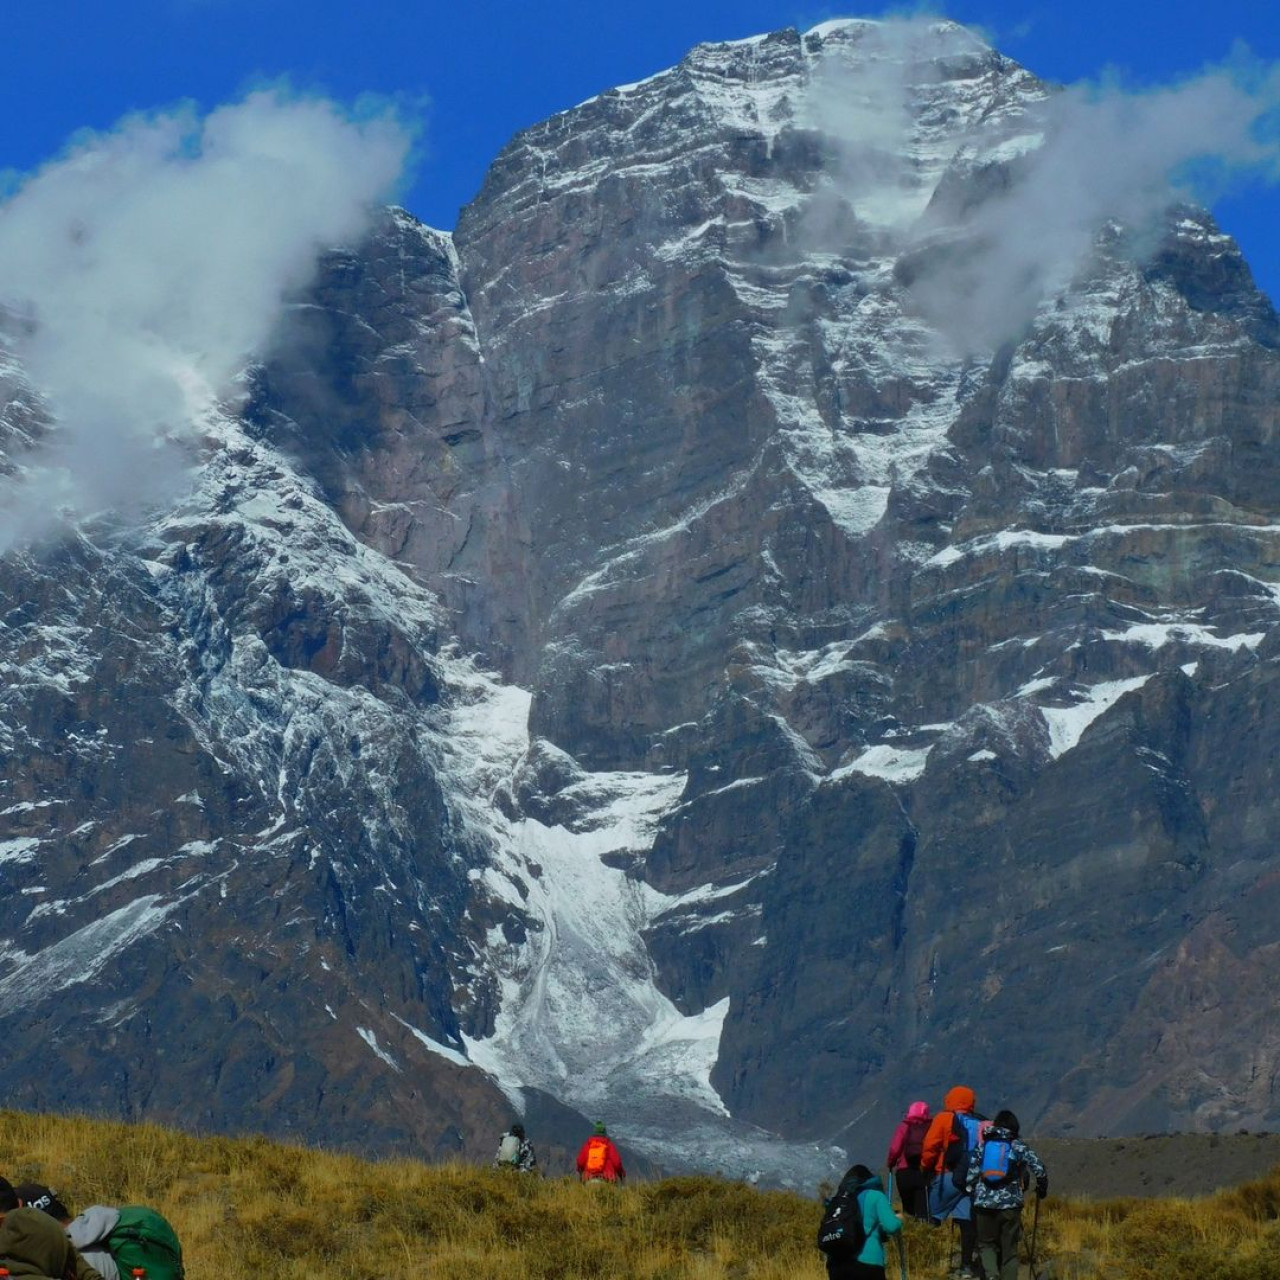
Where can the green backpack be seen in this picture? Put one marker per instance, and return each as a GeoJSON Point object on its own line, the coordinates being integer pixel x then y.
{"type": "Point", "coordinates": [143, 1238]}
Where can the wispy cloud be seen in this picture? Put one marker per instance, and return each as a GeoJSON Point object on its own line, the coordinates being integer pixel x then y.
{"type": "Point", "coordinates": [1021, 224]}
{"type": "Point", "coordinates": [147, 264]}
{"type": "Point", "coordinates": [1108, 155]}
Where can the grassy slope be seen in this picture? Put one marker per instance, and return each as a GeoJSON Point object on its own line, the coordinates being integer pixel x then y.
{"type": "Point", "coordinates": [1166, 1164]}
{"type": "Point", "coordinates": [248, 1207]}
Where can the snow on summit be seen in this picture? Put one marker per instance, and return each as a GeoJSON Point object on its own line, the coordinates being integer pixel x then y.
{"type": "Point", "coordinates": [596, 641]}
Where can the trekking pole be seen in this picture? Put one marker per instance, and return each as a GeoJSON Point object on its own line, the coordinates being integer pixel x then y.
{"type": "Point", "coordinates": [902, 1255]}
{"type": "Point", "coordinates": [1035, 1226]}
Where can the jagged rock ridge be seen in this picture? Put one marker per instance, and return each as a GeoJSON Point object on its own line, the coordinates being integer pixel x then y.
{"type": "Point", "coordinates": [629, 656]}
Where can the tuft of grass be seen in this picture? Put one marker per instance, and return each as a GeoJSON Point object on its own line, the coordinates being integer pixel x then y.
{"type": "Point", "coordinates": [280, 1212]}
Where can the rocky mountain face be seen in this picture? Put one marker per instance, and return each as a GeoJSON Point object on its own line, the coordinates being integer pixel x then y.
{"type": "Point", "coordinates": [664, 651]}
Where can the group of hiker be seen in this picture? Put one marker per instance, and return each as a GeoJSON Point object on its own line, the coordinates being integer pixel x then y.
{"type": "Point", "coordinates": [599, 1161]}
{"type": "Point", "coordinates": [39, 1237]}
{"type": "Point", "coordinates": [956, 1164]}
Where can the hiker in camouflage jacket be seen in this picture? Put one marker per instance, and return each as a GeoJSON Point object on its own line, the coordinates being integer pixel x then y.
{"type": "Point", "coordinates": [1027, 1165]}
{"type": "Point", "coordinates": [997, 1202]}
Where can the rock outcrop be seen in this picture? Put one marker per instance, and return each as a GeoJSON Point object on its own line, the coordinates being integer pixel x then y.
{"type": "Point", "coordinates": [661, 651]}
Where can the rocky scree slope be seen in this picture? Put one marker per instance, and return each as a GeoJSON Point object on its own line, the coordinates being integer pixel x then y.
{"type": "Point", "coordinates": [628, 656]}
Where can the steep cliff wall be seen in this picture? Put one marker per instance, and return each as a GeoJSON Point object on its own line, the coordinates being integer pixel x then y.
{"type": "Point", "coordinates": [696, 645]}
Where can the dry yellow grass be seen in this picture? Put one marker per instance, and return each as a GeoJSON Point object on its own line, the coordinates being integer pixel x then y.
{"type": "Point", "coordinates": [249, 1207]}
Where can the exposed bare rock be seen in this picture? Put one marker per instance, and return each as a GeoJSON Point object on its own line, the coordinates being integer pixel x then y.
{"type": "Point", "coordinates": [636, 657]}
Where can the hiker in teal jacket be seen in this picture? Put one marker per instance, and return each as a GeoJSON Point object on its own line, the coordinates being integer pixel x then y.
{"type": "Point", "coordinates": [879, 1221]}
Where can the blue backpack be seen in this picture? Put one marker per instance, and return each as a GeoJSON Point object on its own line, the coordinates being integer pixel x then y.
{"type": "Point", "coordinates": [966, 1136]}
{"type": "Point", "coordinates": [999, 1163]}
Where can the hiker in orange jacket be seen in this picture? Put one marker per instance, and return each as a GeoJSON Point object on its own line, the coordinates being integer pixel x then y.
{"type": "Point", "coordinates": [598, 1160]}
{"type": "Point", "coordinates": [934, 1152]}
{"type": "Point", "coordinates": [955, 1131]}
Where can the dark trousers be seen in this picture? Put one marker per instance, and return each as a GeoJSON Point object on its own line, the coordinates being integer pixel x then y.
{"type": "Point", "coordinates": [999, 1231]}
{"type": "Point", "coordinates": [839, 1269]}
{"type": "Point", "coordinates": [913, 1191]}
{"type": "Point", "coordinates": [968, 1241]}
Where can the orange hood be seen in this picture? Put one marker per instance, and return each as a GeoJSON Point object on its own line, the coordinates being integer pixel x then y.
{"type": "Point", "coordinates": [960, 1098]}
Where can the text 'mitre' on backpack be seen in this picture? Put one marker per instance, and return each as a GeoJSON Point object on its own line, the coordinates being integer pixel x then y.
{"type": "Point", "coordinates": [842, 1231]}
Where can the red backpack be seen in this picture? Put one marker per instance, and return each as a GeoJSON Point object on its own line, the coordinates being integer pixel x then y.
{"type": "Point", "coordinates": [913, 1143]}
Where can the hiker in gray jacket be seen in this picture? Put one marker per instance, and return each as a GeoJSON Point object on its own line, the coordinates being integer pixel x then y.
{"type": "Point", "coordinates": [89, 1234]}
{"type": "Point", "coordinates": [998, 1175]}
{"type": "Point", "coordinates": [515, 1151]}
{"type": "Point", "coordinates": [131, 1239]}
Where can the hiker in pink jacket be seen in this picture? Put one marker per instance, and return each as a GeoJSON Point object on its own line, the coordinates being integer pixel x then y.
{"type": "Point", "coordinates": [904, 1160]}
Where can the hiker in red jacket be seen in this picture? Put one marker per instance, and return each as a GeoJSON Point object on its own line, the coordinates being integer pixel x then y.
{"type": "Point", "coordinates": [904, 1159]}
{"type": "Point", "coordinates": [599, 1161]}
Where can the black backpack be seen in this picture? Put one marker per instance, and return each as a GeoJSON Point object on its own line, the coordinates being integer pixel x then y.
{"type": "Point", "coordinates": [842, 1232]}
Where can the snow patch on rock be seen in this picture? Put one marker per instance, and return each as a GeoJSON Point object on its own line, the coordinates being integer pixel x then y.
{"type": "Point", "coordinates": [1067, 724]}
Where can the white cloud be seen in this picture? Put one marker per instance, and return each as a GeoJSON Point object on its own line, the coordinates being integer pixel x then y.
{"type": "Point", "coordinates": [148, 263]}
{"type": "Point", "coordinates": [1090, 155]}
{"type": "Point", "coordinates": [1108, 156]}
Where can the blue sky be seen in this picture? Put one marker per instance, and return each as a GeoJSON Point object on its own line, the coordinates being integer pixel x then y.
{"type": "Point", "coordinates": [475, 73]}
